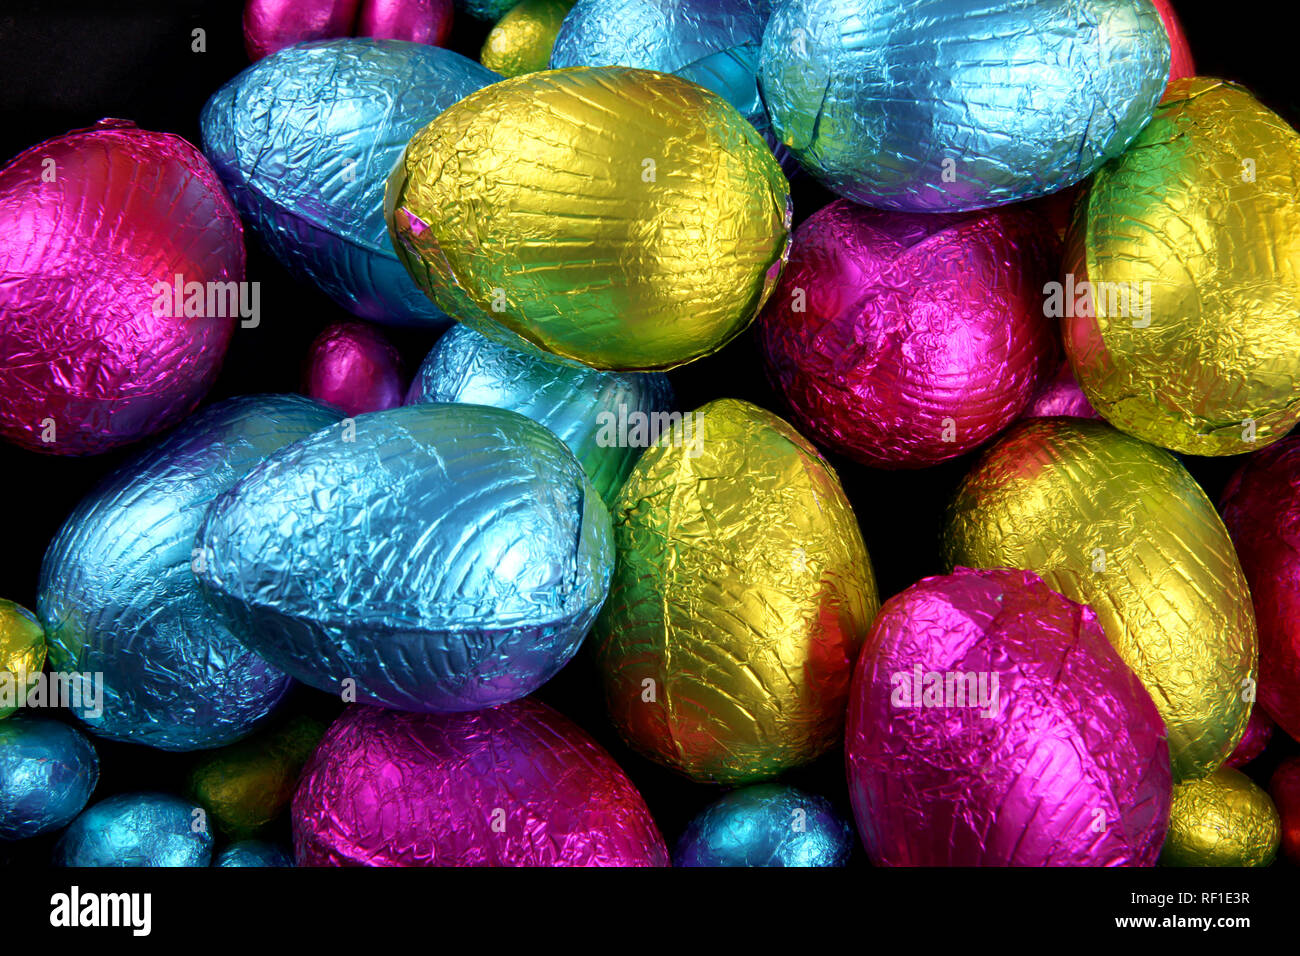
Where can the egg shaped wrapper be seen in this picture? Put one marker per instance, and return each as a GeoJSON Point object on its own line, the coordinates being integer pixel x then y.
{"type": "Point", "coordinates": [137, 829]}
{"type": "Point", "coordinates": [619, 218]}
{"type": "Point", "coordinates": [741, 592]}
{"type": "Point", "coordinates": [22, 654]}
{"type": "Point", "coordinates": [515, 785]}
{"type": "Point", "coordinates": [766, 825]}
{"type": "Point", "coordinates": [305, 139]}
{"type": "Point", "coordinates": [1112, 522]}
{"type": "Point", "coordinates": [419, 21]}
{"type": "Point", "coordinates": [484, 558]}
{"type": "Point", "coordinates": [1259, 730]}
{"type": "Point", "coordinates": [254, 853]}
{"type": "Point", "coordinates": [120, 258]}
{"type": "Point", "coordinates": [271, 25]}
{"type": "Point", "coordinates": [1059, 396]}
{"type": "Point", "coordinates": [595, 413]}
{"type": "Point", "coordinates": [904, 340]}
{"type": "Point", "coordinates": [1284, 788]}
{"type": "Point", "coordinates": [351, 366]}
{"type": "Point", "coordinates": [992, 724]}
{"type": "Point", "coordinates": [148, 660]}
{"type": "Point", "coordinates": [521, 41]}
{"type": "Point", "coordinates": [1190, 245]}
{"type": "Point", "coordinates": [1221, 820]}
{"type": "Point", "coordinates": [48, 770]}
{"type": "Point", "coordinates": [1181, 63]}
{"type": "Point", "coordinates": [925, 107]}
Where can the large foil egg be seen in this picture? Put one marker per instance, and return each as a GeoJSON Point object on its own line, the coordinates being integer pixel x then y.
{"type": "Point", "coordinates": [766, 825]}
{"type": "Point", "coordinates": [48, 770]}
{"type": "Point", "coordinates": [137, 829]}
{"type": "Point", "coordinates": [271, 25]}
{"type": "Point", "coordinates": [742, 590]}
{"type": "Point", "coordinates": [1117, 524]}
{"type": "Point", "coordinates": [1221, 820]}
{"type": "Point", "coordinates": [515, 785]}
{"type": "Point", "coordinates": [522, 40]}
{"type": "Point", "coordinates": [22, 654]}
{"type": "Point", "coordinates": [351, 366]}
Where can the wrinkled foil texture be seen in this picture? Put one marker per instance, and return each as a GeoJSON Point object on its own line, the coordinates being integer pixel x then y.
{"type": "Point", "coordinates": [1284, 788]}
{"type": "Point", "coordinates": [1112, 522]}
{"type": "Point", "coordinates": [742, 591]}
{"type": "Point", "coordinates": [1019, 772]}
{"type": "Point", "coordinates": [766, 825]}
{"type": "Point", "coordinates": [272, 25]}
{"type": "Point", "coordinates": [935, 106]}
{"type": "Point", "coordinates": [488, 10]}
{"type": "Point", "coordinates": [351, 366]}
{"type": "Point", "coordinates": [1060, 396]}
{"type": "Point", "coordinates": [1221, 820]}
{"type": "Point", "coordinates": [904, 340]}
{"type": "Point", "coordinates": [515, 785]}
{"type": "Point", "coordinates": [48, 770]}
{"type": "Point", "coordinates": [254, 853]}
{"type": "Point", "coordinates": [91, 355]}
{"type": "Point", "coordinates": [522, 40]}
{"type": "Point", "coordinates": [1259, 730]}
{"type": "Point", "coordinates": [118, 595]}
{"type": "Point", "coordinates": [22, 651]}
{"type": "Point", "coordinates": [137, 829]}
{"type": "Point", "coordinates": [1180, 53]}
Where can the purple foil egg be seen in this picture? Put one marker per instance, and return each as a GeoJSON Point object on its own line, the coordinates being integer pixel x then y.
{"type": "Point", "coordinates": [354, 368]}
{"type": "Point", "coordinates": [991, 723]}
{"type": "Point", "coordinates": [515, 785]}
{"type": "Point", "coordinates": [119, 253]}
{"type": "Point", "coordinates": [271, 25]}
{"type": "Point", "coordinates": [1060, 395]}
{"type": "Point", "coordinates": [1259, 731]}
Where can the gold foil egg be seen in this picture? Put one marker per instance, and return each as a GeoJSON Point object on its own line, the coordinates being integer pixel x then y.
{"type": "Point", "coordinates": [620, 218]}
{"type": "Point", "coordinates": [1110, 521]}
{"type": "Point", "coordinates": [521, 41]}
{"type": "Point", "coordinates": [1221, 820]}
{"type": "Point", "coordinates": [741, 594]}
{"type": "Point", "coordinates": [1186, 333]}
{"type": "Point", "coordinates": [22, 654]}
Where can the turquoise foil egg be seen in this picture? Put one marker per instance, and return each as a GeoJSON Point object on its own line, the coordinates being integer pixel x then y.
{"type": "Point", "coordinates": [137, 829]}
{"type": "Point", "coordinates": [48, 770]}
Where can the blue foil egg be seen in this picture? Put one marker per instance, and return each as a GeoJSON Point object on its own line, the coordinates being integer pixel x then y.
{"type": "Point", "coordinates": [137, 829]}
{"type": "Point", "coordinates": [766, 825]}
{"type": "Point", "coordinates": [429, 558]}
{"type": "Point", "coordinates": [148, 659]}
{"type": "Point", "coordinates": [927, 106]}
{"type": "Point", "coordinates": [253, 853]}
{"type": "Point", "coordinates": [582, 406]}
{"type": "Point", "coordinates": [48, 771]}
{"type": "Point", "coordinates": [488, 10]}
{"type": "Point", "coordinates": [304, 141]}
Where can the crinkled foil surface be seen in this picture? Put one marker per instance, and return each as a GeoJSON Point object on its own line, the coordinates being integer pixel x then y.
{"type": "Point", "coordinates": [271, 25]}
{"type": "Point", "coordinates": [522, 40]}
{"type": "Point", "coordinates": [351, 366]}
{"type": "Point", "coordinates": [48, 771]}
{"type": "Point", "coordinates": [22, 650]}
{"type": "Point", "coordinates": [1060, 396]}
{"type": "Point", "coordinates": [254, 853]}
{"type": "Point", "coordinates": [1259, 730]}
{"type": "Point", "coordinates": [136, 829]}
{"type": "Point", "coordinates": [1221, 820]}
{"type": "Point", "coordinates": [766, 825]}
{"type": "Point", "coordinates": [489, 10]}
{"type": "Point", "coordinates": [1180, 54]}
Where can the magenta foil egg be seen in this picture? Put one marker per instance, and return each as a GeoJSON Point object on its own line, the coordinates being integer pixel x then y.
{"type": "Point", "coordinates": [992, 724]}
{"type": "Point", "coordinates": [514, 785]}
{"type": "Point", "coordinates": [1060, 395]}
{"type": "Point", "coordinates": [121, 271]}
{"type": "Point", "coordinates": [271, 25]}
{"type": "Point", "coordinates": [353, 367]}
{"type": "Point", "coordinates": [1259, 731]}
{"type": "Point", "coordinates": [902, 340]}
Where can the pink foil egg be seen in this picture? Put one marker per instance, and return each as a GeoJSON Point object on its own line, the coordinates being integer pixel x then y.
{"type": "Point", "coordinates": [354, 368]}
{"type": "Point", "coordinates": [1259, 730]}
{"type": "Point", "coordinates": [991, 723]}
{"type": "Point", "coordinates": [1180, 54]}
{"type": "Point", "coordinates": [119, 252]}
{"type": "Point", "coordinates": [1060, 395]}
{"type": "Point", "coordinates": [271, 25]}
{"type": "Point", "coordinates": [902, 340]}
{"type": "Point", "coordinates": [514, 785]}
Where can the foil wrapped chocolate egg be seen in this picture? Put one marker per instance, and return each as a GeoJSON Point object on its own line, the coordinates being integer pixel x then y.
{"type": "Point", "coordinates": [992, 724]}
{"type": "Point", "coordinates": [351, 366]}
{"type": "Point", "coordinates": [272, 25]}
{"type": "Point", "coordinates": [486, 10]}
{"type": "Point", "coordinates": [137, 829]}
{"type": "Point", "coordinates": [1181, 63]}
{"type": "Point", "coordinates": [924, 107]}
{"type": "Point", "coordinates": [121, 260]}
{"type": "Point", "coordinates": [428, 558]}
{"type": "Point", "coordinates": [522, 40]}
{"type": "Point", "coordinates": [604, 417]}
{"type": "Point", "coordinates": [305, 139]}
{"type": "Point", "coordinates": [1259, 730]}
{"type": "Point", "coordinates": [766, 825]}
{"type": "Point", "coordinates": [254, 853]}
{"type": "Point", "coordinates": [904, 340]}
{"type": "Point", "coordinates": [619, 218]}
{"type": "Point", "coordinates": [150, 662]}
{"type": "Point", "coordinates": [741, 592]}
{"type": "Point", "coordinates": [1221, 820]}
{"type": "Point", "coordinates": [1284, 787]}
{"type": "Point", "coordinates": [22, 654]}
{"type": "Point", "coordinates": [1112, 522]}
{"type": "Point", "coordinates": [1059, 396]}
{"type": "Point", "coordinates": [515, 785]}
{"type": "Point", "coordinates": [48, 770]}
{"type": "Point", "coordinates": [1189, 245]}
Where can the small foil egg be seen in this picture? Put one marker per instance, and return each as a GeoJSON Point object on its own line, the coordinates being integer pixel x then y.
{"type": "Point", "coordinates": [271, 25]}
{"type": "Point", "coordinates": [515, 785]}
{"type": "Point", "coordinates": [48, 770]}
{"type": "Point", "coordinates": [1284, 787]}
{"type": "Point", "coordinates": [604, 417]}
{"type": "Point", "coordinates": [1221, 820]}
{"type": "Point", "coordinates": [121, 270]}
{"type": "Point", "coordinates": [22, 654]}
{"type": "Point", "coordinates": [766, 825]}
{"type": "Point", "coordinates": [742, 590]}
{"type": "Point", "coordinates": [619, 218]}
{"type": "Point", "coordinates": [1189, 245]}
{"type": "Point", "coordinates": [1060, 395]}
{"type": "Point", "coordinates": [254, 853]}
{"type": "Point", "coordinates": [137, 829]}
{"type": "Point", "coordinates": [429, 558]}
{"type": "Point", "coordinates": [305, 139]}
{"type": "Point", "coordinates": [1111, 521]}
{"type": "Point", "coordinates": [351, 366]}
{"type": "Point", "coordinates": [123, 615]}
{"type": "Point", "coordinates": [1259, 730]}
{"type": "Point", "coordinates": [522, 40]}
{"type": "Point", "coordinates": [992, 724]}
{"type": "Point", "coordinates": [904, 340]}
{"type": "Point", "coordinates": [485, 10]}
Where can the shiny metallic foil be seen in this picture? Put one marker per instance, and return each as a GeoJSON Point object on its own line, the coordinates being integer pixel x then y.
{"type": "Point", "coordinates": [1221, 820]}
{"type": "Point", "coordinates": [1259, 730]}
{"type": "Point", "coordinates": [351, 366]}
{"type": "Point", "coordinates": [926, 107]}
{"type": "Point", "coordinates": [435, 557]}
{"type": "Point", "coordinates": [489, 10]}
{"type": "Point", "coordinates": [48, 770]}
{"type": "Point", "coordinates": [904, 340]}
{"type": "Point", "coordinates": [118, 595]}
{"type": "Point", "coordinates": [766, 825]}
{"type": "Point", "coordinates": [137, 829]}
{"type": "Point", "coordinates": [254, 853]}
{"type": "Point", "coordinates": [271, 25]}
{"type": "Point", "coordinates": [305, 139]}
{"type": "Point", "coordinates": [1112, 522]}
{"type": "Point", "coordinates": [741, 593]}
{"type": "Point", "coordinates": [1060, 396]}
{"type": "Point", "coordinates": [22, 654]}
{"type": "Point", "coordinates": [515, 785]}
{"type": "Point", "coordinates": [991, 724]}
{"type": "Point", "coordinates": [620, 218]}
{"type": "Point", "coordinates": [521, 41]}
{"type": "Point", "coordinates": [1200, 221]}
{"type": "Point", "coordinates": [596, 414]}
{"type": "Point", "coordinates": [1180, 54]}
{"type": "Point", "coordinates": [97, 348]}
{"type": "Point", "coordinates": [1284, 788]}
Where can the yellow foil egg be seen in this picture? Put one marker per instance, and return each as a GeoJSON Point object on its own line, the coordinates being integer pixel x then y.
{"type": "Point", "coordinates": [620, 218]}
{"type": "Point", "coordinates": [741, 594]}
{"type": "Point", "coordinates": [22, 654]}
{"type": "Point", "coordinates": [1186, 331]}
{"type": "Point", "coordinates": [521, 41]}
{"type": "Point", "coordinates": [1110, 521]}
{"type": "Point", "coordinates": [1221, 820]}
